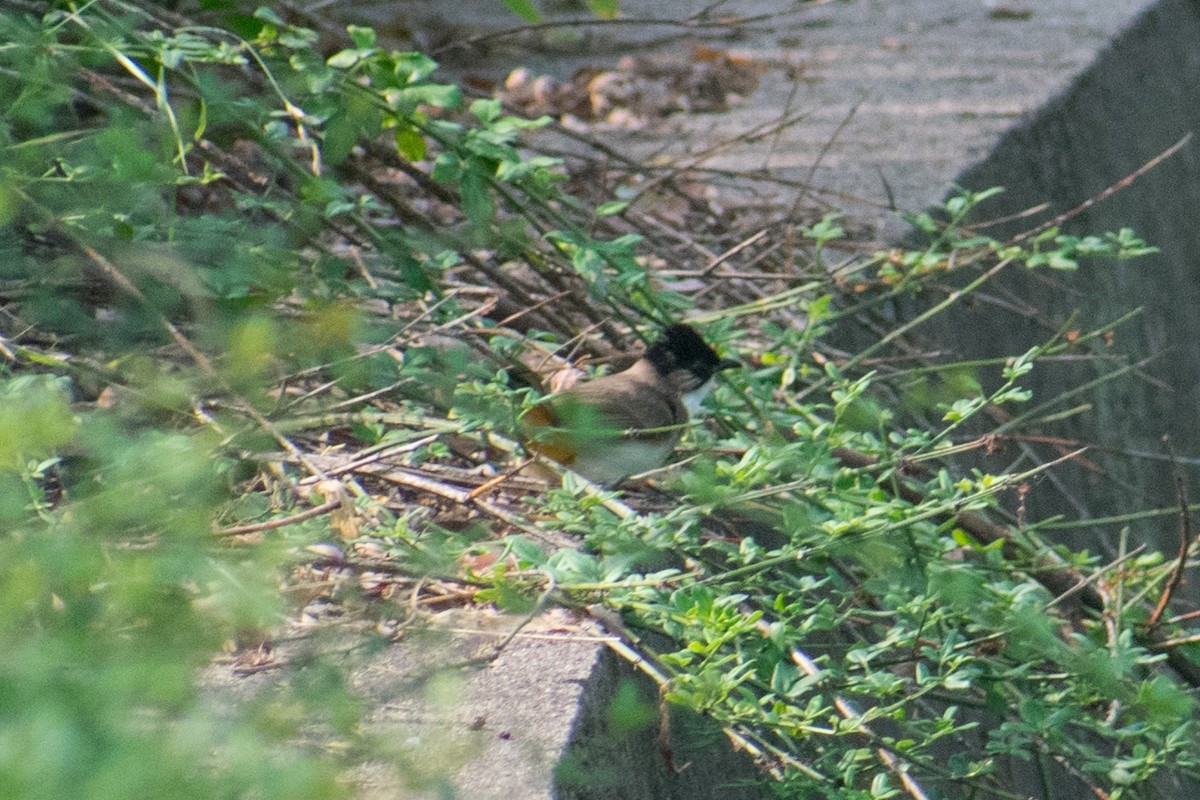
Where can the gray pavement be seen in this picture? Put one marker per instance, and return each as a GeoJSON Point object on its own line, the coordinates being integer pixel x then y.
{"type": "Point", "coordinates": [905, 93]}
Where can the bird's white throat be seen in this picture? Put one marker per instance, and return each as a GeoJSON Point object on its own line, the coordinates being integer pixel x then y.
{"type": "Point", "coordinates": [693, 399]}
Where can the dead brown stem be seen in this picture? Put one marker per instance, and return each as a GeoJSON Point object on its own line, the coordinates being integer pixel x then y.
{"type": "Point", "coordinates": [1185, 541]}
{"type": "Point", "coordinates": [315, 511]}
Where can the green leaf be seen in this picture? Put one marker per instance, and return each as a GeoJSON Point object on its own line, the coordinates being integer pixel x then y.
{"type": "Point", "coordinates": [476, 199]}
{"type": "Point", "coordinates": [431, 94]}
{"type": "Point", "coordinates": [267, 15]}
{"type": "Point", "coordinates": [413, 67]}
{"type": "Point", "coordinates": [825, 230]}
{"type": "Point", "coordinates": [523, 9]}
{"type": "Point", "coordinates": [362, 37]}
{"type": "Point", "coordinates": [611, 208]}
{"type": "Point", "coordinates": [1061, 260]}
{"type": "Point", "coordinates": [590, 264]}
{"type": "Point", "coordinates": [410, 144]}
{"type": "Point", "coordinates": [447, 168]}
{"type": "Point", "coordinates": [35, 417]}
{"type": "Point", "coordinates": [513, 170]}
{"type": "Point", "coordinates": [605, 9]}
{"type": "Point", "coordinates": [338, 141]}
{"type": "Point", "coordinates": [486, 109]}
{"type": "Point", "coordinates": [345, 59]}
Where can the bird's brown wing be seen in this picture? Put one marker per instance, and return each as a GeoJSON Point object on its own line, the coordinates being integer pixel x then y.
{"type": "Point", "coordinates": [629, 407]}
{"type": "Point", "coordinates": [585, 417]}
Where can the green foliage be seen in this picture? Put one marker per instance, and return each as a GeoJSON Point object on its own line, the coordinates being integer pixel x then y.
{"type": "Point", "coordinates": [165, 297]}
{"type": "Point", "coordinates": [528, 11]}
{"type": "Point", "coordinates": [111, 599]}
{"type": "Point", "coordinates": [524, 9]}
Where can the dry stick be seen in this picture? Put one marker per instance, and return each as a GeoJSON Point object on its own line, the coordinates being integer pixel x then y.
{"type": "Point", "coordinates": [692, 23]}
{"type": "Point", "coordinates": [731, 252]}
{"type": "Point", "coordinates": [641, 221]}
{"type": "Point", "coordinates": [1185, 540]}
{"type": "Point", "coordinates": [315, 511]}
{"type": "Point", "coordinates": [714, 260]}
{"type": "Point", "coordinates": [1106, 193]}
{"type": "Point", "coordinates": [422, 483]}
{"type": "Point", "coordinates": [824, 151]}
{"type": "Point", "coordinates": [850, 713]}
{"type": "Point", "coordinates": [503, 477]}
{"type": "Point", "coordinates": [1169, 644]}
{"type": "Point", "coordinates": [617, 642]}
{"type": "Point", "coordinates": [1095, 576]}
{"type": "Point", "coordinates": [763, 255]}
{"type": "Point", "coordinates": [516, 315]}
{"type": "Point", "coordinates": [1111, 617]}
{"type": "Point", "coordinates": [901, 330]}
{"type": "Point", "coordinates": [1080, 776]}
{"type": "Point", "coordinates": [366, 458]}
{"type": "Point", "coordinates": [1029, 452]}
{"type": "Point", "coordinates": [764, 176]}
{"type": "Point", "coordinates": [789, 242]}
{"type": "Point", "coordinates": [1183, 617]}
{"type": "Point", "coordinates": [538, 607]}
{"type": "Point", "coordinates": [1029, 212]}
{"type": "Point", "coordinates": [792, 71]}
{"type": "Point", "coordinates": [691, 161]}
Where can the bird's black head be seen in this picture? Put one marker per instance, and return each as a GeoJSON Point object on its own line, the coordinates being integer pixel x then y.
{"type": "Point", "coordinates": [681, 348]}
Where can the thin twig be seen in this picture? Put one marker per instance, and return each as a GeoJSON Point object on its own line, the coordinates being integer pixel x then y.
{"type": "Point", "coordinates": [625, 644]}
{"type": "Point", "coordinates": [1106, 193]}
{"type": "Point", "coordinates": [827, 146]}
{"type": "Point", "coordinates": [850, 713]}
{"type": "Point", "coordinates": [538, 607]}
{"type": "Point", "coordinates": [1185, 540]}
{"type": "Point", "coordinates": [1094, 577]}
{"type": "Point", "coordinates": [689, 24]}
{"type": "Point", "coordinates": [315, 511]}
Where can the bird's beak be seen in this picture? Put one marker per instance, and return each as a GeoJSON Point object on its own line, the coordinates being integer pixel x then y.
{"type": "Point", "coordinates": [728, 363]}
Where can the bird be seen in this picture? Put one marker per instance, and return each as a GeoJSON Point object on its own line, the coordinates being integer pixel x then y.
{"type": "Point", "coordinates": [609, 428]}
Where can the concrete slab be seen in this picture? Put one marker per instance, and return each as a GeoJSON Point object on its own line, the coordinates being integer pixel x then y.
{"type": "Point", "coordinates": [552, 714]}
{"type": "Point", "coordinates": [900, 95]}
